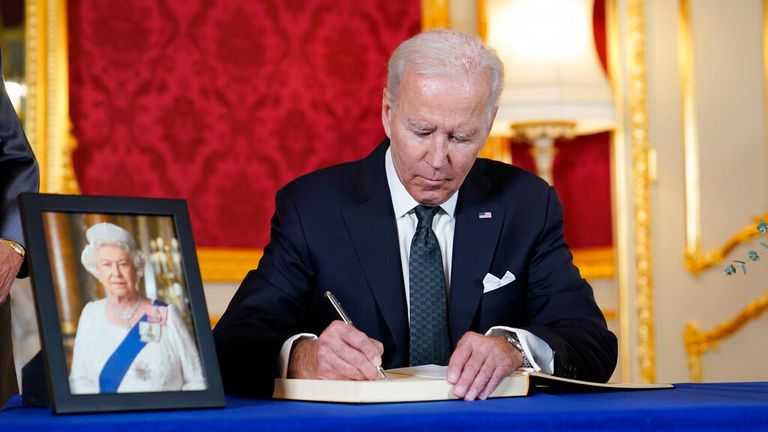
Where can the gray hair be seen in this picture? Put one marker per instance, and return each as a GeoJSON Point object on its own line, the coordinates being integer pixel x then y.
{"type": "Point", "coordinates": [445, 53]}
{"type": "Point", "coordinates": [105, 233]}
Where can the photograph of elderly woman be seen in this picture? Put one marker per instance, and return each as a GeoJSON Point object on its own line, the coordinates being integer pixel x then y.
{"type": "Point", "coordinates": [122, 302]}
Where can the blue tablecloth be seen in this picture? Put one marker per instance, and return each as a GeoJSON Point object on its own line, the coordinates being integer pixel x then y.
{"type": "Point", "coordinates": [720, 406]}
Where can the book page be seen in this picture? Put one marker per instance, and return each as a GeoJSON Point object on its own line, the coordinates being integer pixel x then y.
{"type": "Point", "coordinates": [423, 371]}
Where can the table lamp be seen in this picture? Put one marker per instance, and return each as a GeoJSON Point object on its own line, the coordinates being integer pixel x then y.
{"type": "Point", "coordinates": [554, 84]}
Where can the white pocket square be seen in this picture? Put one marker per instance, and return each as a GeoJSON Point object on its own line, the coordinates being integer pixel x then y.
{"type": "Point", "coordinates": [491, 282]}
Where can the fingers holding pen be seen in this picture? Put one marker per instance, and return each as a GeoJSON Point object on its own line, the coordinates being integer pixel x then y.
{"type": "Point", "coordinates": [341, 352]}
{"type": "Point", "coordinates": [356, 348]}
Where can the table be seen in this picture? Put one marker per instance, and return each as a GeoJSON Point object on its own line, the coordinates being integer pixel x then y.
{"type": "Point", "coordinates": [715, 406]}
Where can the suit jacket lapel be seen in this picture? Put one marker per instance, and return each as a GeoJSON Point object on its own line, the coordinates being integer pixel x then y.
{"type": "Point", "coordinates": [373, 231]}
{"type": "Point", "coordinates": [474, 244]}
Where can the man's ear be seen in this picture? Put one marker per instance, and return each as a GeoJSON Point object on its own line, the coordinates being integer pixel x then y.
{"type": "Point", "coordinates": [386, 111]}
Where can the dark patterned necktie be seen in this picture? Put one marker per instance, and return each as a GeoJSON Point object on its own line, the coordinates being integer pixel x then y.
{"type": "Point", "coordinates": [430, 343]}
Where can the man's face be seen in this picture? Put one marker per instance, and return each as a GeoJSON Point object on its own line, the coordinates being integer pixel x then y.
{"type": "Point", "coordinates": [436, 128]}
{"type": "Point", "coordinates": [116, 271]}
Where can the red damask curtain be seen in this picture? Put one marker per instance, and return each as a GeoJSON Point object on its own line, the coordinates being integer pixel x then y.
{"type": "Point", "coordinates": [223, 102]}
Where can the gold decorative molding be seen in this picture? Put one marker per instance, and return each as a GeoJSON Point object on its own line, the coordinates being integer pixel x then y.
{"type": "Point", "coordinates": [231, 265]}
{"type": "Point", "coordinates": [227, 265]}
{"type": "Point", "coordinates": [435, 14]}
{"type": "Point", "coordinates": [482, 19]}
{"type": "Point", "coordinates": [621, 175]}
{"type": "Point", "coordinates": [47, 76]}
{"type": "Point", "coordinates": [610, 314]}
{"type": "Point", "coordinates": [640, 148]}
{"type": "Point", "coordinates": [698, 342]}
{"type": "Point", "coordinates": [697, 258]}
{"type": "Point", "coordinates": [497, 148]}
{"type": "Point", "coordinates": [595, 263]}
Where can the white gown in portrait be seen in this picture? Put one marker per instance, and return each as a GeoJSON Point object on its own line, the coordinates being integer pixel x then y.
{"type": "Point", "coordinates": [170, 363]}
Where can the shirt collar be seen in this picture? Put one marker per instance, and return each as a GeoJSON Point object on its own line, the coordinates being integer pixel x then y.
{"type": "Point", "coordinates": [402, 201]}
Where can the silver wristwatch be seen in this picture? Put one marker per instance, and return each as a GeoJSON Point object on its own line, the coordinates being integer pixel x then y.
{"type": "Point", "coordinates": [513, 340]}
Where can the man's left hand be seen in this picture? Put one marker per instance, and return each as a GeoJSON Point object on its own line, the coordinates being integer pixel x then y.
{"type": "Point", "coordinates": [10, 262]}
{"type": "Point", "coordinates": [480, 363]}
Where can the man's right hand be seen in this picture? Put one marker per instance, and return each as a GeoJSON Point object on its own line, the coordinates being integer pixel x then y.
{"type": "Point", "coordinates": [341, 352]}
{"type": "Point", "coordinates": [10, 262]}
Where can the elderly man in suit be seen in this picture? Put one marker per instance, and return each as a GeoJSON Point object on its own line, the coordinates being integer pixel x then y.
{"type": "Point", "coordinates": [18, 173]}
{"type": "Point", "coordinates": [438, 256]}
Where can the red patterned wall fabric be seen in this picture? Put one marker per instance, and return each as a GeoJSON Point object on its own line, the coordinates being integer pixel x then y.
{"type": "Point", "coordinates": [223, 102]}
{"type": "Point", "coordinates": [582, 177]}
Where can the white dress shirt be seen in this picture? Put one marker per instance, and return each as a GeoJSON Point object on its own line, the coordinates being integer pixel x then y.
{"type": "Point", "coordinates": [536, 350]}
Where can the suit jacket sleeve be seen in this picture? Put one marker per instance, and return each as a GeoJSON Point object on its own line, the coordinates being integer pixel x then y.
{"type": "Point", "coordinates": [267, 308]}
{"type": "Point", "coordinates": [18, 170]}
{"type": "Point", "coordinates": [562, 308]}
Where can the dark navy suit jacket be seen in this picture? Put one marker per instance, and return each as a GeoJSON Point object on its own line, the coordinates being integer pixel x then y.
{"type": "Point", "coordinates": [18, 169]}
{"type": "Point", "coordinates": [18, 173]}
{"type": "Point", "coordinates": [334, 229]}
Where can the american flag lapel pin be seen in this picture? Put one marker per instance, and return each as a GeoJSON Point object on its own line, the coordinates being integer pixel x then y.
{"type": "Point", "coordinates": [485, 215]}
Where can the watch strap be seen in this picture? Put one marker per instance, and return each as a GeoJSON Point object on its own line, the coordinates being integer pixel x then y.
{"type": "Point", "coordinates": [513, 340]}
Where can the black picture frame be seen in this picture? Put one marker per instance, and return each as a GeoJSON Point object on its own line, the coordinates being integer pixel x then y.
{"type": "Point", "coordinates": [37, 211]}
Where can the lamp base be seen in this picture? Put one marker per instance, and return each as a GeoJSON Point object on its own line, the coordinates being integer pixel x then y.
{"type": "Point", "coordinates": [543, 135]}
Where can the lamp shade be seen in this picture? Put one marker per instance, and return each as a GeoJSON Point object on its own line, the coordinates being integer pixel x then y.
{"type": "Point", "coordinates": [552, 72]}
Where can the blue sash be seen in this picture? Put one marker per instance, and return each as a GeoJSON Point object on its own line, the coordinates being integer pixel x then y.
{"type": "Point", "coordinates": [120, 361]}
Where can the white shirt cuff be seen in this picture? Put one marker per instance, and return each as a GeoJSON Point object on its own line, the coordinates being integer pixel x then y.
{"type": "Point", "coordinates": [285, 352]}
{"type": "Point", "coordinates": [537, 351]}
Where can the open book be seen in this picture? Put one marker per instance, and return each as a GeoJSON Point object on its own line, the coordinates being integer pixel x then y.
{"type": "Point", "coordinates": [427, 383]}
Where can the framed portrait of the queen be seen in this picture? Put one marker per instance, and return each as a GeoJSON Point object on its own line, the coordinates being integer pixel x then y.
{"type": "Point", "coordinates": [120, 304]}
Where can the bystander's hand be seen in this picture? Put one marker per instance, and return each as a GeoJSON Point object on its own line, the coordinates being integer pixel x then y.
{"type": "Point", "coordinates": [479, 363]}
{"type": "Point", "coordinates": [341, 352]}
{"type": "Point", "coordinates": [10, 262]}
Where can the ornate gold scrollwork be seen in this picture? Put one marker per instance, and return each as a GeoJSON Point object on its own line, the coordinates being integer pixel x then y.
{"type": "Point", "coordinates": [640, 148]}
{"type": "Point", "coordinates": [47, 122]}
{"type": "Point", "coordinates": [698, 342]}
{"type": "Point", "coordinates": [697, 260]}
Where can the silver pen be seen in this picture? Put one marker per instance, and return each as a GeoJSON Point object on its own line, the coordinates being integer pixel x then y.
{"type": "Point", "coordinates": [344, 317]}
